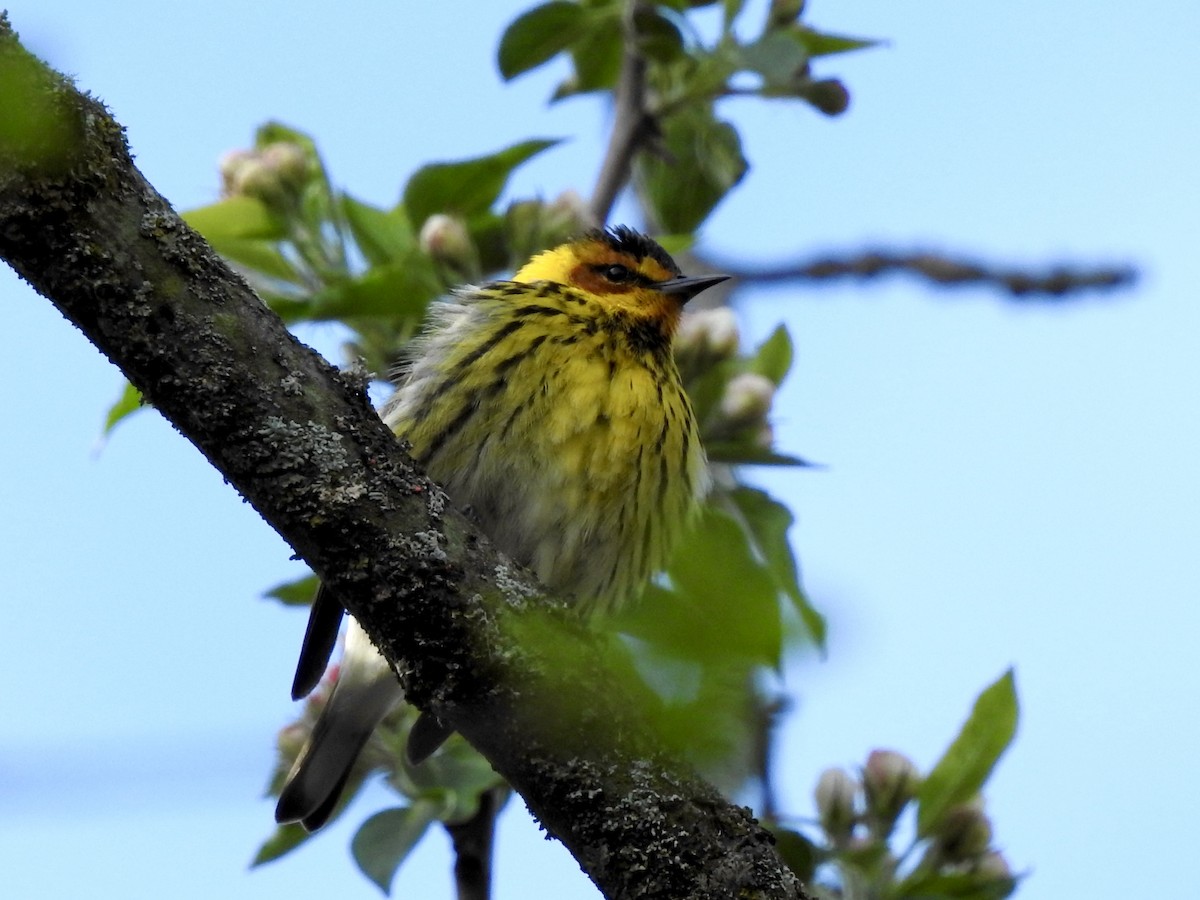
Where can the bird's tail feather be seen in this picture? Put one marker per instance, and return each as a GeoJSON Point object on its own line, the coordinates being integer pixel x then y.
{"type": "Point", "coordinates": [365, 692]}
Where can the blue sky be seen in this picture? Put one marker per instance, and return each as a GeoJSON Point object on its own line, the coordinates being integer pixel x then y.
{"type": "Point", "coordinates": [1005, 485]}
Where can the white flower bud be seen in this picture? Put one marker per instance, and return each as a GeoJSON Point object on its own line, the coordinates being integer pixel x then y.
{"type": "Point", "coordinates": [711, 332]}
{"type": "Point", "coordinates": [445, 238]}
{"type": "Point", "coordinates": [835, 796]}
{"type": "Point", "coordinates": [568, 214]}
{"type": "Point", "coordinates": [254, 178]}
{"type": "Point", "coordinates": [230, 166]}
{"type": "Point", "coordinates": [747, 399]}
{"type": "Point", "coordinates": [288, 160]}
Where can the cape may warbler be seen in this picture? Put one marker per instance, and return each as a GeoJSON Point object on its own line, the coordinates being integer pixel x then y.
{"type": "Point", "coordinates": [551, 406]}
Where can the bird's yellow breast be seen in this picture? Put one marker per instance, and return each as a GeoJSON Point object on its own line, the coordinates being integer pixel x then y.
{"type": "Point", "coordinates": [563, 425]}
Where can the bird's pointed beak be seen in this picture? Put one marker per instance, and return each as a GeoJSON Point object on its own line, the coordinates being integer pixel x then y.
{"type": "Point", "coordinates": [687, 288]}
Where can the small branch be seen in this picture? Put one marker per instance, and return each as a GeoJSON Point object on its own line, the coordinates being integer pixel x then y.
{"type": "Point", "coordinates": [1058, 282]}
{"type": "Point", "coordinates": [632, 123]}
{"type": "Point", "coordinates": [767, 713]}
{"type": "Point", "coordinates": [473, 842]}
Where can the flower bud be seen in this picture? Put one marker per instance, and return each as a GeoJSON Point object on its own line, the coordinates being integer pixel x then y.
{"type": "Point", "coordinates": [963, 834]}
{"type": "Point", "coordinates": [291, 739]}
{"type": "Point", "coordinates": [523, 230]}
{"type": "Point", "coordinates": [747, 400]}
{"type": "Point", "coordinates": [566, 216]}
{"type": "Point", "coordinates": [828, 95]}
{"type": "Point", "coordinates": [709, 333]}
{"type": "Point", "coordinates": [835, 796]}
{"type": "Point", "coordinates": [230, 166]}
{"type": "Point", "coordinates": [256, 179]}
{"type": "Point", "coordinates": [446, 239]}
{"type": "Point", "coordinates": [890, 781]}
{"type": "Point", "coordinates": [530, 226]}
{"type": "Point", "coordinates": [764, 438]}
{"type": "Point", "coordinates": [288, 160]}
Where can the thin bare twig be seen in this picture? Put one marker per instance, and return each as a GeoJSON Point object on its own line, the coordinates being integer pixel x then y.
{"type": "Point", "coordinates": [1056, 282]}
{"type": "Point", "coordinates": [632, 123]}
{"type": "Point", "coordinates": [767, 714]}
{"type": "Point", "coordinates": [473, 840]}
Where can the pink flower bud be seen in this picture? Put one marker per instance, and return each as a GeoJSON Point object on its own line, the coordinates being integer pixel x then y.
{"type": "Point", "coordinates": [890, 782]}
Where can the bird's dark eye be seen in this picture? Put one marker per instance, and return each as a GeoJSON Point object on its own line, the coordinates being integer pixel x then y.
{"type": "Point", "coordinates": [617, 273]}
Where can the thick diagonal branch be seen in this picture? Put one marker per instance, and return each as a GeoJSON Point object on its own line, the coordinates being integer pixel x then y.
{"type": "Point", "coordinates": [301, 443]}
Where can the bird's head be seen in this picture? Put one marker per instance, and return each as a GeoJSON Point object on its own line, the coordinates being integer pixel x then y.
{"type": "Point", "coordinates": [622, 269]}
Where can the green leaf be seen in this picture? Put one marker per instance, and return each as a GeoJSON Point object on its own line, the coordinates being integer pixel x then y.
{"type": "Point", "coordinates": [824, 44]}
{"type": "Point", "coordinates": [290, 309]}
{"type": "Point", "coordinates": [773, 358]}
{"type": "Point", "coordinates": [935, 885]}
{"type": "Point", "coordinates": [385, 840]}
{"type": "Point", "coordinates": [257, 256]}
{"type": "Point", "coordinates": [676, 244]}
{"type": "Point", "coordinates": [768, 522]}
{"type": "Point", "coordinates": [778, 57]}
{"type": "Point", "coordinates": [596, 57]}
{"type": "Point", "coordinates": [126, 405]}
{"type": "Point", "coordinates": [732, 9]}
{"type": "Point", "coordinates": [703, 162]}
{"type": "Point", "coordinates": [246, 232]}
{"type": "Point", "coordinates": [455, 778]}
{"type": "Point", "coordinates": [381, 235]}
{"type": "Point", "coordinates": [799, 853]}
{"type": "Point", "coordinates": [237, 218]}
{"type": "Point", "coordinates": [400, 290]}
{"type": "Point", "coordinates": [706, 390]}
{"type": "Point", "coordinates": [966, 765]}
{"type": "Point", "coordinates": [658, 37]}
{"type": "Point", "coordinates": [723, 605]}
{"type": "Point", "coordinates": [275, 132]}
{"type": "Point", "coordinates": [285, 839]}
{"type": "Point", "coordinates": [684, 5]}
{"type": "Point", "coordinates": [747, 452]}
{"type": "Point", "coordinates": [467, 187]}
{"type": "Point", "coordinates": [538, 35]}
{"type": "Point", "coordinates": [706, 710]}
{"type": "Point", "coordinates": [295, 593]}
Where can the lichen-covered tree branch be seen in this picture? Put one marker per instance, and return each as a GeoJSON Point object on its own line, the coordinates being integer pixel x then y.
{"type": "Point", "coordinates": [301, 443]}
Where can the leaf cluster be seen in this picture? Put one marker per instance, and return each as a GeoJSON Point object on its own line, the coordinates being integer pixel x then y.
{"type": "Point", "coordinates": [694, 158]}
{"type": "Point", "coordinates": [946, 852]}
